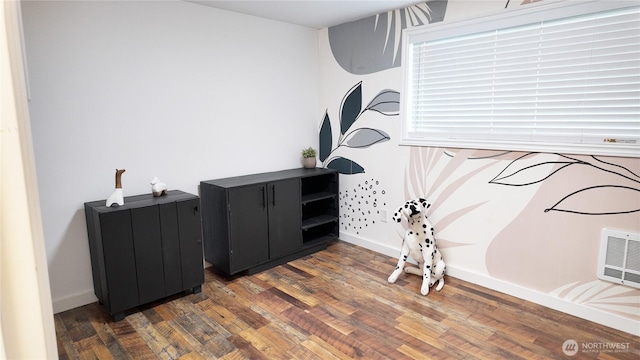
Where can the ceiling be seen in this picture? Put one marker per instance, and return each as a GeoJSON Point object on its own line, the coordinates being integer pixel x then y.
{"type": "Point", "coordinates": [317, 14]}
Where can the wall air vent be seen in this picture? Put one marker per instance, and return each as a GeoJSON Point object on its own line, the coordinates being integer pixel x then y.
{"type": "Point", "coordinates": [619, 259]}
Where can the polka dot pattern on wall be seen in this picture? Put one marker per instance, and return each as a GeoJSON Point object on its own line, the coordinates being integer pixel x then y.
{"type": "Point", "coordinates": [360, 206]}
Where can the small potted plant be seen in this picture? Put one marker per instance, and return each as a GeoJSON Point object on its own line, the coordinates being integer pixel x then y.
{"type": "Point", "coordinates": [309, 157]}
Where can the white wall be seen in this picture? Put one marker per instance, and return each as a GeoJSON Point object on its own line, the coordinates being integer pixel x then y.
{"type": "Point", "coordinates": [168, 89]}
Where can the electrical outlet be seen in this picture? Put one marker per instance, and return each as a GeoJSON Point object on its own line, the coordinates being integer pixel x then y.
{"type": "Point", "coordinates": [383, 215]}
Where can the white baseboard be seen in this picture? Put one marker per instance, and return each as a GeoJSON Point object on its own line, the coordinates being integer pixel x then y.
{"type": "Point", "coordinates": [584, 312]}
{"type": "Point", "coordinates": [81, 299]}
{"type": "Point", "coordinates": [73, 301]}
{"type": "Point", "coordinates": [368, 244]}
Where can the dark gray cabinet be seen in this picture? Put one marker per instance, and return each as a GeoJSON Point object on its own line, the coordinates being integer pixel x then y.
{"type": "Point", "coordinates": [254, 222]}
{"type": "Point", "coordinates": [147, 249]}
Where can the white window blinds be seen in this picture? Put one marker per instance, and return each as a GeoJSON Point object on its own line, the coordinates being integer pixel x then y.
{"type": "Point", "coordinates": [564, 83]}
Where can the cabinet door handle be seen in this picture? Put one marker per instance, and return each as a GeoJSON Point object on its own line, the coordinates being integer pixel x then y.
{"type": "Point", "coordinates": [264, 200]}
{"type": "Point", "coordinates": [273, 193]}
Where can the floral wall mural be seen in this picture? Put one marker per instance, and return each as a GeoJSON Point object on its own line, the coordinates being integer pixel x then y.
{"type": "Point", "coordinates": [373, 44]}
{"type": "Point", "coordinates": [387, 102]}
{"type": "Point", "coordinates": [521, 232]}
{"type": "Point", "coordinates": [529, 219]}
{"type": "Point", "coordinates": [352, 135]}
{"type": "Point", "coordinates": [578, 201]}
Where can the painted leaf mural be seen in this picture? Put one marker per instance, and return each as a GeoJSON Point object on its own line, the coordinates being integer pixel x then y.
{"type": "Point", "coordinates": [374, 43]}
{"type": "Point", "coordinates": [350, 107]}
{"type": "Point", "coordinates": [443, 176]}
{"type": "Point", "coordinates": [386, 102]}
{"type": "Point", "coordinates": [518, 217]}
{"type": "Point", "coordinates": [533, 168]}
{"type": "Point", "coordinates": [325, 139]}
{"type": "Point", "coordinates": [557, 227]}
{"type": "Point", "coordinates": [504, 231]}
{"type": "Point", "coordinates": [525, 171]}
{"type": "Point", "coordinates": [581, 201]}
{"type": "Point", "coordinates": [601, 295]}
{"type": "Point", "coordinates": [345, 166]}
{"type": "Point", "coordinates": [365, 137]}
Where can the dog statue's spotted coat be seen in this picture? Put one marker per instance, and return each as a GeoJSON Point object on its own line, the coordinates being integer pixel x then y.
{"type": "Point", "coordinates": [419, 242]}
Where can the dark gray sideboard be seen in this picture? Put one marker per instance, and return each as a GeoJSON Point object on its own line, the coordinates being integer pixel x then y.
{"type": "Point", "coordinates": [147, 249]}
{"type": "Point", "coordinates": [254, 222]}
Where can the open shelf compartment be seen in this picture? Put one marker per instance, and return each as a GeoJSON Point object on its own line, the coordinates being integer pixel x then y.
{"type": "Point", "coordinates": [320, 216]}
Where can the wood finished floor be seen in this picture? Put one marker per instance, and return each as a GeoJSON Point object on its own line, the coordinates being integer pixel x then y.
{"type": "Point", "coordinates": [333, 304]}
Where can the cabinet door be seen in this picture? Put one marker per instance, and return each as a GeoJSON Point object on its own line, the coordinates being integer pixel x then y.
{"type": "Point", "coordinates": [285, 234]}
{"type": "Point", "coordinates": [171, 248]}
{"type": "Point", "coordinates": [119, 261]}
{"type": "Point", "coordinates": [190, 243]}
{"type": "Point", "coordinates": [147, 240]}
{"type": "Point", "coordinates": [248, 227]}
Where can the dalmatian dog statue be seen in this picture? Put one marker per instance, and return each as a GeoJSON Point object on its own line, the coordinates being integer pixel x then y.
{"type": "Point", "coordinates": [419, 242]}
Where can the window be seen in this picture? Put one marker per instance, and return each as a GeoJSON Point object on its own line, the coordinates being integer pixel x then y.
{"type": "Point", "coordinates": [560, 77]}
